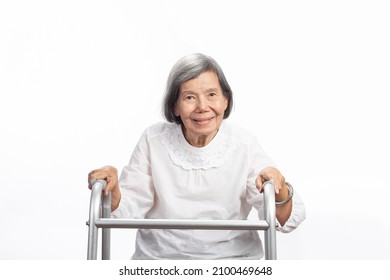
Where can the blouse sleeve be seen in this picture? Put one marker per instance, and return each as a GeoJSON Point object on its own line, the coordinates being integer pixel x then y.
{"type": "Point", "coordinates": [258, 160]}
{"type": "Point", "coordinates": [136, 184]}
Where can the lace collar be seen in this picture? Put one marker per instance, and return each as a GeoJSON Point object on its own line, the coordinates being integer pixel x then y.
{"type": "Point", "coordinates": [213, 155]}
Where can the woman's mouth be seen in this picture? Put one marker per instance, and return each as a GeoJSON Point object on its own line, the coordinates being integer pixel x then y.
{"type": "Point", "coordinates": [203, 121]}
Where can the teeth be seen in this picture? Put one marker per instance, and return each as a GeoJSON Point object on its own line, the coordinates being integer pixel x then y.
{"type": "Point", "coordinates": [204, 120]}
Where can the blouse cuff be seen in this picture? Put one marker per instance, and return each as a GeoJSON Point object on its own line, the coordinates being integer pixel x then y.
{"type": "Point", "coordinates": [298, 214]}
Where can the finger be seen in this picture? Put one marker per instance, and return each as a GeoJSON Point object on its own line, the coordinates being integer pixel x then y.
{"type": "Point", "coordinates": [277, 188]}
{"type": "Point", "coordinates": [269, 173]}
{"type": "Point", "coordinates": [111, 183]}
{"type": "Point", "coordinates": [265, 175]}
{"type": "Point", "coordinates": [279, 183]}
{"type": "Point", "coordinates": [98, 174]}
{"type": "Point", "coordinates": [109, 186]}
{"type": "Point", "coordinates": [259, 183]}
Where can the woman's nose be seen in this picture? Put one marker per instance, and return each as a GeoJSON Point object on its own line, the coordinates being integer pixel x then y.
{"type": "Point", "coordinates": [201, 104]}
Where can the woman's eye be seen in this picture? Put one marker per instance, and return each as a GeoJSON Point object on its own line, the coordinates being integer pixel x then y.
{"type": "Point", "coordinates": [189, 97]}
{"type": "Point", "coordinates": [212, 94]}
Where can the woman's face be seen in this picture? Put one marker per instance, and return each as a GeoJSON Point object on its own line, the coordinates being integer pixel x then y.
{"type": "Point", "coordinates": [201, 106]}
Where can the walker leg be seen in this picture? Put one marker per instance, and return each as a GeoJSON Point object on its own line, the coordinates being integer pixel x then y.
{"type": "Point", "coordinates": [106, 232]}
{"type": "Point", "coordinates": [269, 213]}
{"type": "Point", "coordinates": [94, 213]}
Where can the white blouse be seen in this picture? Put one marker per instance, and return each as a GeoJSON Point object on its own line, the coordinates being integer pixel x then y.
{"type": "Point", "coordinates": [168, 178]}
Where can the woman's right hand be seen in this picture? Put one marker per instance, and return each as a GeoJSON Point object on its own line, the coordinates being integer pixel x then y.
{"type": "Point", "coordinates": [110, 175]}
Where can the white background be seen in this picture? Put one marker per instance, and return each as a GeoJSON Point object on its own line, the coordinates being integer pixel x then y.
{"type": "Point", "coordinates": [81, 80]}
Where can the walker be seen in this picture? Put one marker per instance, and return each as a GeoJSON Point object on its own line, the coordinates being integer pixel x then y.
{"type": "Point", "coordinates": [100, 212]}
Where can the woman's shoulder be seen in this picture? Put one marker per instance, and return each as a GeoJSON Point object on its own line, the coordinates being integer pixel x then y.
{"type": "Point", "coordinates": [238, 133]}
{"type": "Point", "coordinates": [160, 127]}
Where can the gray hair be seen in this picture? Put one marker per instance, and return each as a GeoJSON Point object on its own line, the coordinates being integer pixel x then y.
{"type": "Point", "coordinates": [188, 68]}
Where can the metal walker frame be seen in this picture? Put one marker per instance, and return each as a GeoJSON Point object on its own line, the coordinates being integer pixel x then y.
{"type": "Point", "coordinates": [100, 212]}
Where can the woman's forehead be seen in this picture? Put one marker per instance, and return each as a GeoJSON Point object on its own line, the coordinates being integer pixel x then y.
{"type": "Point", "coordinates": [204, 82]}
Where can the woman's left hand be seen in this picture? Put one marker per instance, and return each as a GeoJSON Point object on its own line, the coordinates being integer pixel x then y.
{"type": "Point", "coordinates": [281, 191]}
{"type": "Point", "coordinates": [269, 173]}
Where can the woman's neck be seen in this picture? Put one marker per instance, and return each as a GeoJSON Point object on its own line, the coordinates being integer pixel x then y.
{"type": "Point", "coordinates": [198, 140]}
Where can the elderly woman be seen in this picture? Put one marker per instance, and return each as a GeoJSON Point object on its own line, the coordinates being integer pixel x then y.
{"type": "Point", "coordinates": [198, 166]}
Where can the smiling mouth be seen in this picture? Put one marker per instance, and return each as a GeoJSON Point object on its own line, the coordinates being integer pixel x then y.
{"type": "Point", "coordinates": [203, 121]}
